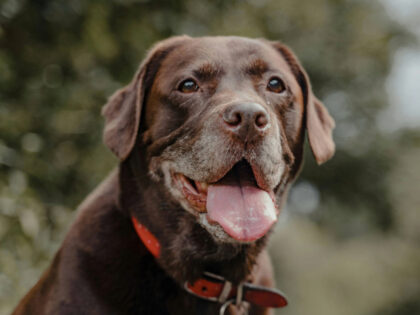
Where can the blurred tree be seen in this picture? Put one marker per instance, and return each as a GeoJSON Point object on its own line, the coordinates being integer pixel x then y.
{"type": "Point", "coordinates": [60, 60]}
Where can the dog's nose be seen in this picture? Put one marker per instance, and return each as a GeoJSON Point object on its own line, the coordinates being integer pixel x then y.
{"type": "Point", "coordinates": [246, 119]}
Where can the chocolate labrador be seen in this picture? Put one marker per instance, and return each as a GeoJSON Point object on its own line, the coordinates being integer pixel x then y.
{"type": "Point", "coordinates": [209, 135]}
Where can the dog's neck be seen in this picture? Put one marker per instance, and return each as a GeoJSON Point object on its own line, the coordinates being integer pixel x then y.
{"type": "Point", "coordinates": [212, 287]}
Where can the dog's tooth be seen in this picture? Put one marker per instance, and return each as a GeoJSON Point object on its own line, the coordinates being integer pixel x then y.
{"type": "Point", "coordinates": [202, 186]}
{"type": "Point", "coordinates": [179, 178]}
{"type": "Point", "coordinates": [197, 199]}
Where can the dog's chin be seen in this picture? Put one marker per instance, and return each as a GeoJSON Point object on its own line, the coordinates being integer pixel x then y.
{"type": "Point", "coordinates": [233, 209]}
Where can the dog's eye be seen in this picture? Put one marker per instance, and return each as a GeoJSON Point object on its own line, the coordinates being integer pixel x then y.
{"type": "Point", "coordinates": [276, 85]}
{"type": "Point", "coordinates": [188, 86]}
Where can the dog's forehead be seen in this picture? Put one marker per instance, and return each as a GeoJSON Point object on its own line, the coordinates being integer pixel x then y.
{"type": "Point", "coordinates": [227, 53]}
{"type": "Point", "coordinates": [227, 56]}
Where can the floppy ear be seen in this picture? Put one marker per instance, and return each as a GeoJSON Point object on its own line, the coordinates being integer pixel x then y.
{"type": "Point", "coordinates": [122, 116]}
{"type": "Point", "coordinates": [123, 110]}
{"type": "Point", "coordinates": [319, 123]}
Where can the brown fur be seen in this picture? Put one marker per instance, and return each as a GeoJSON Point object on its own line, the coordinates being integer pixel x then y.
{"type": "Point", "coordinates": [102, 266]}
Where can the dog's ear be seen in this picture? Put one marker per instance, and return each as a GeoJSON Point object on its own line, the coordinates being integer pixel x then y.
{"type": "Point", "coordinates": [123, 110]}
{"type": "Point", "coordinates": [319, 123]}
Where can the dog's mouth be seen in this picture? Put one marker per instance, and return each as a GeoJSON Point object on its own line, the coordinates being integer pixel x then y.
{"type": "Point", "coordinates": [245, 211]}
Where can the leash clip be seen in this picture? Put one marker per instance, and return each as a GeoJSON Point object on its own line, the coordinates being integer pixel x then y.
{"type": "Point", "coordinates": [238, 301]}
{"type": "Point", "coordinates": [224, 306]}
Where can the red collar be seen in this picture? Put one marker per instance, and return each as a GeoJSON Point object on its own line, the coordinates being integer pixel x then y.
{"type": "Point", "coordinates": [148, 239]}
{"type": "Point", "coordinates": [216, 288]}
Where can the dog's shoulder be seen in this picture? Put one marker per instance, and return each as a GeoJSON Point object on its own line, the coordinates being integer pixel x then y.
{"type": "Point", "coordinates": [104, 196]}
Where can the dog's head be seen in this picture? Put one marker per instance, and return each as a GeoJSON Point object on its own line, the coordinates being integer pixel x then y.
{"type": "Point", "coordinates": [220, 124]}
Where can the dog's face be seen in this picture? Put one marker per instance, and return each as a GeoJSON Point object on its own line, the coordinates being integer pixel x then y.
{"type": "Point", "coordinates": [222, 128]}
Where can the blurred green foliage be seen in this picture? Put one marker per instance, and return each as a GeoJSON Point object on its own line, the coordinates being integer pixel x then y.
{"type": "Point", "coordinates": [349, 242]}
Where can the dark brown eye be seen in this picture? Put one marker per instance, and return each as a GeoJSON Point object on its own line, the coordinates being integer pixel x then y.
{"type": "Point", "coordinates": [276, 85]}
{"type": "Point", "coordinates": [188, 86]}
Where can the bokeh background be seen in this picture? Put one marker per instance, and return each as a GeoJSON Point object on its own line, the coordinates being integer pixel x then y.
{"type": "Point", "coordinates": [348, 241]}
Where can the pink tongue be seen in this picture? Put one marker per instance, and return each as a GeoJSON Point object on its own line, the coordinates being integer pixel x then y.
{"type": "Point", "coordinates": [244, 211]}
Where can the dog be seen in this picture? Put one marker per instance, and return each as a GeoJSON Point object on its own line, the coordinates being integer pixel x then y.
{"type": "Point", "coordinates": [210, 136]}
